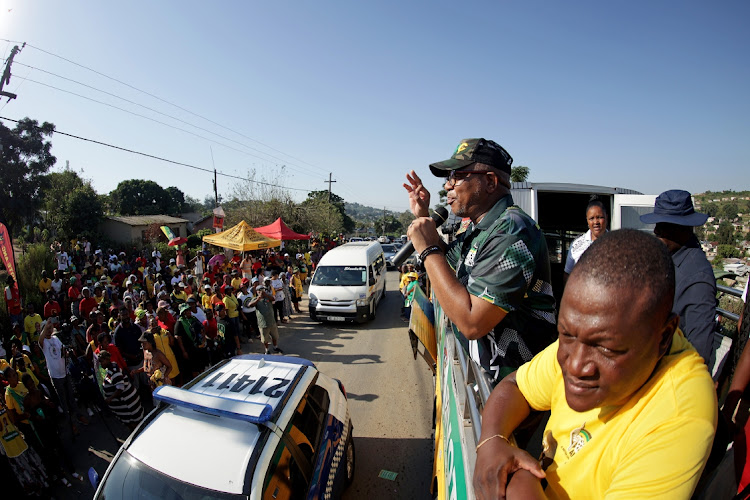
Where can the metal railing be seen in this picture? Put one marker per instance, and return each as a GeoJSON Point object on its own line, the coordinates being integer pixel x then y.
{"type": "Point", "coordinates": [729, 291]}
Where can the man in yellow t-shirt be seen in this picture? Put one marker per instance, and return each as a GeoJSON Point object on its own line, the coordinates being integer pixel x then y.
{"type": "Point", "coordinates": [632, 406]}
{"type": "Point", "coordinates": [236, 283]}
{"type": "Point", "coordinates": [44, 284]}
{"type": "Point", "coordinates": [32, 323]}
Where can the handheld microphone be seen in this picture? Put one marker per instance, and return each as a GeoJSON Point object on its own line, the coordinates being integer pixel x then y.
{"type": "Point", "coordinates": [439, 217]}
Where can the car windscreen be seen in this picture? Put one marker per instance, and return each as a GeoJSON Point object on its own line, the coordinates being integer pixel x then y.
{"type": "Point", "coordinates": [340, 276]}
{"type": "Point", "coordinates": [132, 479]}
{"type": "Point", "coordinates": [388, 248]}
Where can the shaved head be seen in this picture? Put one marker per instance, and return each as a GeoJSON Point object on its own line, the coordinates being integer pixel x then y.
{"type": "Point", "coordinates": [628, 259]}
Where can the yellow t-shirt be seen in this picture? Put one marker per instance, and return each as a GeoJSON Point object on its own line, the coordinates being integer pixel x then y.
{"type": "Point", "coordinates": [10, 439]}
{"type": "Point", "coordinates": [10, 400]}
{"type": "Point", "coordinates": [3, 364]}
{"type": "Point", "coordinates": [230, 302]}
{"type": "Point", "coordinates": [44, 286]}
{"type": "Point", "coordinates": [236, 282]}
{"type": "Point", "coordinates": [653, 446]}
{"type": "Point", "coordinates": [28, 368]}
{"type": "Point", "coordinates": [207, 301]}
{"type": "Point", "coordinates": [181, 296]}
{"type": "Point", "coordinates": [29, 326]}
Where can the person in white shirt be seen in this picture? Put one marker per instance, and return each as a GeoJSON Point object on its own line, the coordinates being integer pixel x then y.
{"type": "Point", "coordinates": [156, 255]}
{"type": "Point", "coordinates": [247, 312]}
{"type": "Point", "coordinates": [62, 260]}
{"type": "Point", "coordinates": [278, 297]}
{"type": "Point", "coordinates": [54, 355]}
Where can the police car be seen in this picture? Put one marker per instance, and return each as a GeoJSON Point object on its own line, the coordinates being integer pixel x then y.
{"type": "Point", "coordinates": [251, 427]}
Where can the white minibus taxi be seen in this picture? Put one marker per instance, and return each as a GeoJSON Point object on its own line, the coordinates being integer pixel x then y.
{"type": "Point", "coordinates": [348, 283]}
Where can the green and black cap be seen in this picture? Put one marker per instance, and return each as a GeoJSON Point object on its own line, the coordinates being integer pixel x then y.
{"type": "Point", "coordinates": [474, 151]}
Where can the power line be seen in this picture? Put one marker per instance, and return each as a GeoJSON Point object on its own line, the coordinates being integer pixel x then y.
{"type": "Point", "coordinates": [167, 102]}
{"type": "Point", "coordinates": [165, 159]}
{"type": "Point", "coordinates": [300, 169]}
{"type": "Point", "coordinates": [151, 119]}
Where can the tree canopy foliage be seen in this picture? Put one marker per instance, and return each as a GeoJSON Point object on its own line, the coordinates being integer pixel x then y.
{"type": "Point", "coordinates": [25, 155]}
{"type": "Point", "coordinates": [144, 197]}
{"type": "Point", "coordinates": [519, 173]}
{"type": "Point", "coordinates": [73, 208]}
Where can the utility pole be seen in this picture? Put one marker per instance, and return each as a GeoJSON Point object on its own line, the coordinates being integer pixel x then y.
{"type": "Point", "coordinates": [383, 221]}
{"type": "Point", "coordinates": [216, 190]}
{"type": "Point", "coordinates": [329, 182]}
{"type": "Point", "coordinates": [6, 73]}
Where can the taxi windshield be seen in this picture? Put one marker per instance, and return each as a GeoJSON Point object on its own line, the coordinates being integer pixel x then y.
{"type": "Point", "coordinates": [340, 276]}
{"type": "Point", "coordinates": [130, 478]}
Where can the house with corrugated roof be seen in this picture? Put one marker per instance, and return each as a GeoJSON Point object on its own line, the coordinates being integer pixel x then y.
{"type": "Point", "coordinates": [131, 229]}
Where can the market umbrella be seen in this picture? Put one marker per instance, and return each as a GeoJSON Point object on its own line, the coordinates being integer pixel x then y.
{"type": "Point", "coordinates": [241, 237]}
{"type": "Point", "coordinates": [217, 260]}
{"type": "Point", "coordinates": [280, 231]}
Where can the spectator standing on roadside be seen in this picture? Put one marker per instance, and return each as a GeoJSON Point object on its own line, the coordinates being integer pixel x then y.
{"type": "Point", "coordinates": [695, 284]}
{"type": "Point", "coordinates": [13, 301]}
{"type": "Point", "coordinates": [493, 282]}
{"type": "Point", "coordinates": [126, 336]}
{"type": "Point", "coordinates": [269, 330]}
{"type": "Point", "coordinates": [54, 354]}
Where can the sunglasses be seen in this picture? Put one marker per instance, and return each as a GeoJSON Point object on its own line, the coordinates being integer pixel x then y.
{"type": "Point", "coordinates": [457, 177]}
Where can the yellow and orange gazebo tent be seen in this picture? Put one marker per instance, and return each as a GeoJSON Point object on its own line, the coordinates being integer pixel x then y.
{"type": "Point", "coordinates": [241, 237]}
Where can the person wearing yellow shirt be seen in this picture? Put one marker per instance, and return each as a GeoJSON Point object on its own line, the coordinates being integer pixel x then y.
{"type": "Point", "coordinates": [207, 297]}
{"type": "Point", "coordinates": [44, 284]}
{"type": "Point", "coordinates": [179, 294]}
{"type": "Point", "coordinates": [236, 280]}
{"type": "Point", "coordinates": [32, 323]}
{"type": "Point", "coordinates": [633, 409]}
{"type": "Point", "coordinates": [232, 306]}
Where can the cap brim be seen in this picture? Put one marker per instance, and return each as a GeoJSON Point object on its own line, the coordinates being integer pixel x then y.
{"type": "Point", "coordinates": [444, 168]}
{"type": "Point", "coordinates": [693, 220]}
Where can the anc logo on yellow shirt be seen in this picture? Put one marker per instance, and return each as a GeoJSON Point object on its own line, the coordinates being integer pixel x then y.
{"type": "Point", "coordinates": [578, 438]}
{"type": "Point", "coordinates": [460, 148]}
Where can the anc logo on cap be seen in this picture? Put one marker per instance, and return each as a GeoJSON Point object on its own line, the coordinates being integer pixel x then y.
{"type": "Point", "coordinates": [460, 148]}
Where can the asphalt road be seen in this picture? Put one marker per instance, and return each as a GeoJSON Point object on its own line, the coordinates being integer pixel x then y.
{"type": "Point", "coordinates": [390, 403]}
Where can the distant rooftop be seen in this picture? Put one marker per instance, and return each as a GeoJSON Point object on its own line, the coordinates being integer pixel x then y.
{"type": "Point", "coordinates": [145, 220]}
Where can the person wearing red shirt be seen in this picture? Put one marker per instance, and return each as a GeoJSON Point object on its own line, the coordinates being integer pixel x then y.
{"type": "Point", "coordinates": [87, 303]}
{"type": "Point", "coordinates": [52, 307]}
{"type": "Point", "coordinates": [13, 301]}
{"type": "Point", "coordinates": [105, 344]}
{"type": "Point", "coordinates": [74, 296]}
{"type": "Point", "coordinates": [166, 321]}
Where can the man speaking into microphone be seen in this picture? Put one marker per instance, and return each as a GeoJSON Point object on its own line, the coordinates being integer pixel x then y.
{"type": "Point", "coordinates": [493, 281]}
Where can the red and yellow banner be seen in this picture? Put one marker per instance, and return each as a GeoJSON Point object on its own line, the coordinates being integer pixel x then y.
{"type": "Point", "coordinates": [6, 252]}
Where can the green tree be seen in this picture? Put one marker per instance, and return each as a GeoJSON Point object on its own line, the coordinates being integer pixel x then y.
{"type": "Point", "coordinates": [727, 252]}
{"type": "Point", "coordinates": [519, 173]}
{"type": "Point", "coordinates": [728, 211]}
{"type": "Point", "coordinates": [392, 225]}
{"type": "Point", "coordinates": [25, 155]}
{"type": "Point", "coordinates": [337, 202]}
{"type": "Point", "coordinates": [177, 200]}
{"type": "Point", "coordinates": [140, 197]}
{"type": "Point", "coordinates": [405, 219]}
{"type": "Point", "coordinates": [725, 233]}
{"type": "Point", "coordinates": [711, 209]}
{"type": "Point", "coordinates": [66, 197]}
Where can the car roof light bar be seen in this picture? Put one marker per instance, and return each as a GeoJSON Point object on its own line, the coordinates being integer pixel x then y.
{"type": "Point", "coordinates": [248, 411]}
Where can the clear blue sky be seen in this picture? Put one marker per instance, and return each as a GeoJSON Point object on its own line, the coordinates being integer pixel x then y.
{"type": "Point", "coordinates": [638, 94]}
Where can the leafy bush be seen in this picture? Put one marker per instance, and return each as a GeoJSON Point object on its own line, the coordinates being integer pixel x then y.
{"type": "Point", "coordinates": [29, 266]}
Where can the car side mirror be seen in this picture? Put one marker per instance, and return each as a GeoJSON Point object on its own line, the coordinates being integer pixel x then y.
{"type": "Point", "coordinates": [372, 280]}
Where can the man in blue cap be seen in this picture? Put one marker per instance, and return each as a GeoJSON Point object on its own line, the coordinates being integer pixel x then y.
{"type": "Point", "coordinates": [695, 285]}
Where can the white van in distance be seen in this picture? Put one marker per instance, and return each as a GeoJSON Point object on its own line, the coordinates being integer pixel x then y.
{"type": "Point", "coordinates": [348, 283]}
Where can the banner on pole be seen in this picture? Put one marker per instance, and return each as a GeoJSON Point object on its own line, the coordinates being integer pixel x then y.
{"type": "Point", "coordinates": [6, 252]}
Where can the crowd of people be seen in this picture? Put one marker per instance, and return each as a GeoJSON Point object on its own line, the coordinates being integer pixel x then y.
{"type": "Point", "coordinates": [115, 326]}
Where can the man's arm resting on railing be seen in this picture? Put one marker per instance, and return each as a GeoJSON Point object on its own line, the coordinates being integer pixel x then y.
{"type": "Point", "coordinates": [497, 460]}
